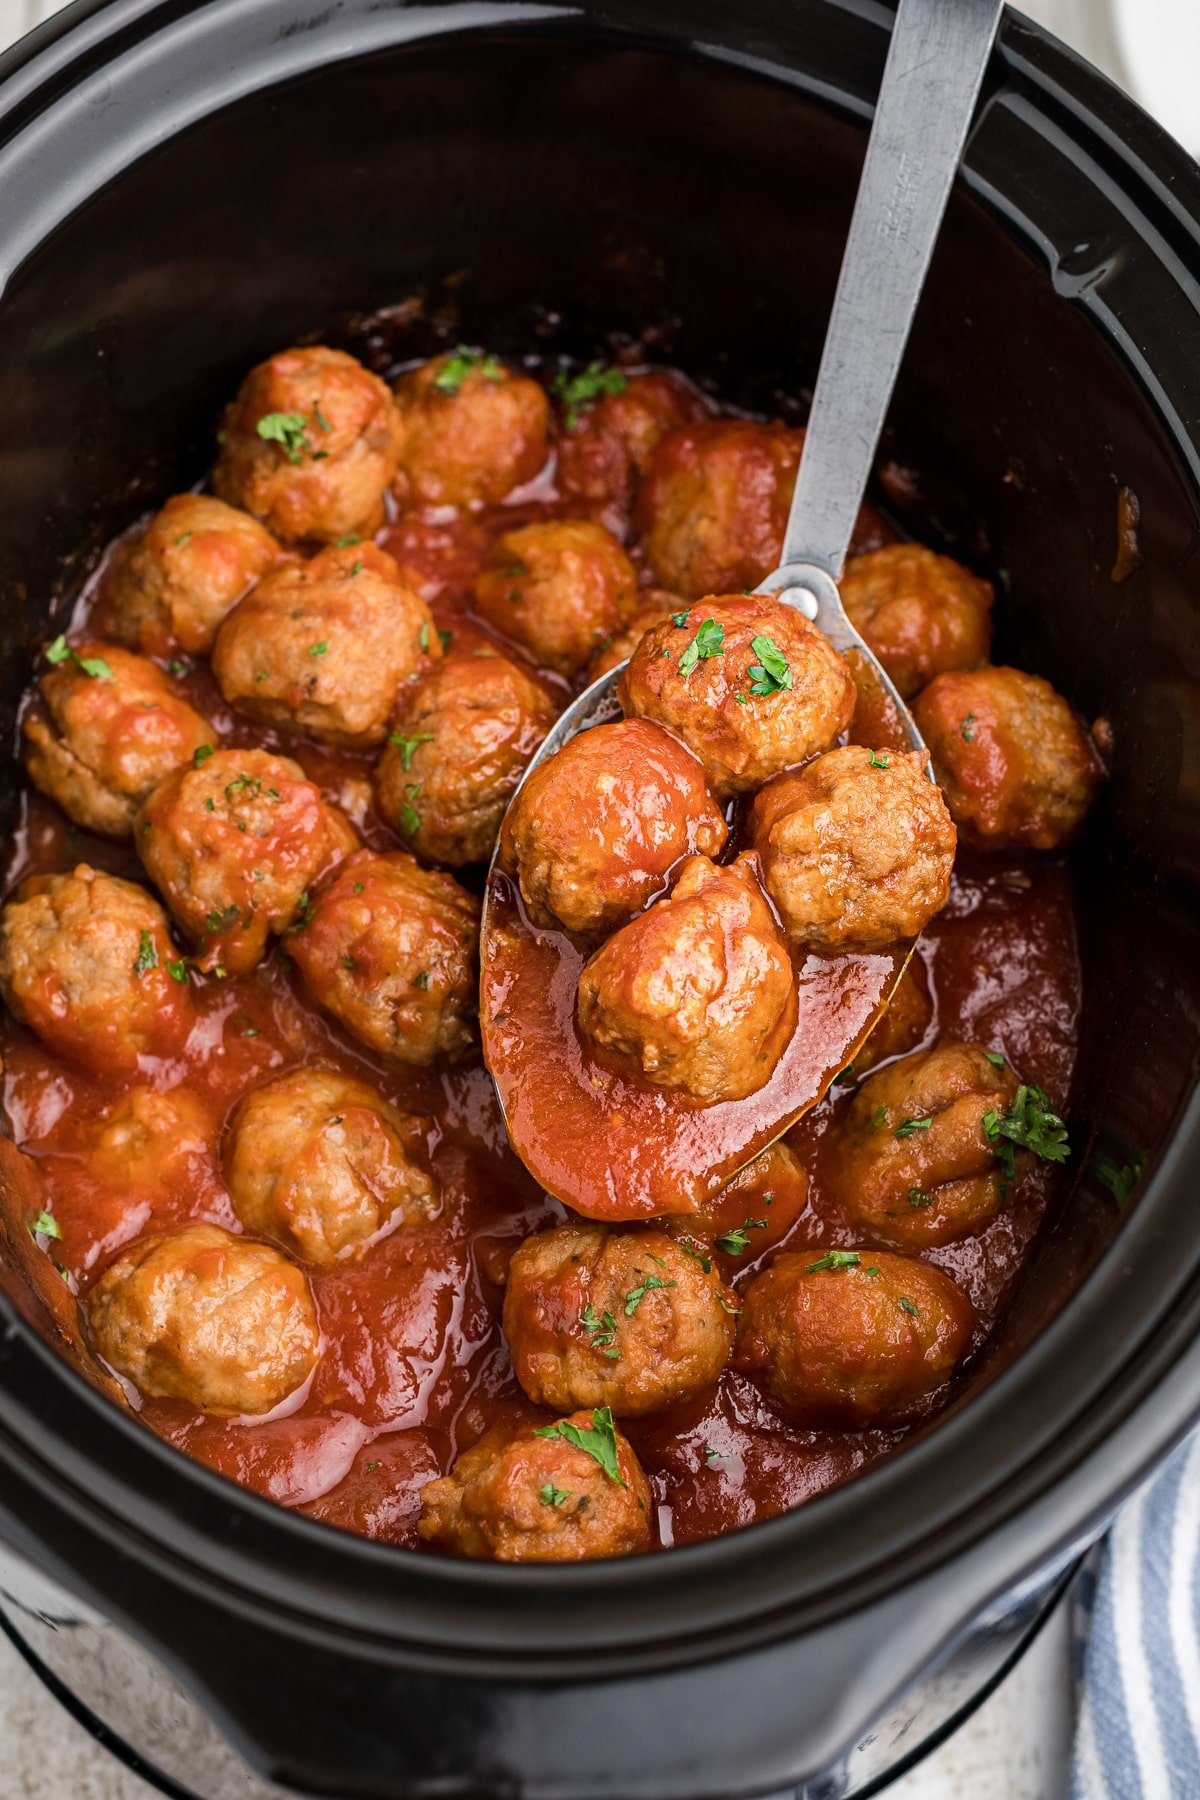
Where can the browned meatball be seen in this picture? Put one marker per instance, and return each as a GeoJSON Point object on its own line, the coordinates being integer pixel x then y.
{"type": "Point", "coordinates": [655, 607]}
{"type": "Point", "coordinates": [595, 832]}
{"type": "Point", "coordinates": [234, 844]}
{"type": "Point", "coordinates": [199, 1315]}
{"type": "Point", "coordinates": [904, 1024]}
{"type": "Point", "coordinates": [109, 727]}
{"type": "Point", "coordinates": [318, 1162]}
{"type": "Point", "coordinates": [557, 589]}
{"type": "Point", "coordinates": [471, 431]}
{"type": "Point", "coordinates": [910, 1159]}
{"type": "Point", "coordinates": [850, 1338]}
{"type": "Point", "coordinates": [624, 1319]}
{"type": "Point", "coordinates": [309, 446]}
{"type": "Point", "coordinates": [460, 745]}
{"type": "Point", "coordinates": [151, 1142]}
{"type": "Point", "coordinates": [856, 849]}
{"type": "Point", "coordinates": [391, 950]}
{"type": "Point", "coordinates": [698, 992]}
{"type": "Point", "coordinates": [920, 613]}
{"type": "Point", "coordinates": [536, 1495]}
{"type": "Point", "coordinates": [322, 647]}
{"type": "Point", "coordinates": [744, 680]}
{"type": "Point", "coordinates": [85, 962]}
{"type": "Point", "coordinates": [752, 1212]}
{"type": "Point", "coordinates": [714, 502]}
{"type": "Point", "coordinates": [171, 584]}
{"type": "Point", "coordinates": [611, 422]}
{"type": "Point", "coordinates": [1017, 768]}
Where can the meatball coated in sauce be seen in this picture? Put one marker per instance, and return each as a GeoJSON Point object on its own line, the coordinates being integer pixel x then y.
{"type": "Point", "coordinates": [655, 608]}
{"type": "Point", "coordinates": [171, 584]}
{"type": "Point", "coordinates": [100, 741]}
{"type": "Point", "coordinates": [525, 1497]}
{"type": "Point", "coordinates": [200, 1315]}
{"type": "Point", "coordinates": [697, 993]}
{"type": "Point", "coordinates": [908, 1017]}
{"type": "Point", "coordinates": [459, 747]}
{"type": "Point", "coordinates": [596, 831]}
{"type": "Point", "coordinates": [909, 1161]}
{"type": "Point", "coordinates": [714, 501]}
{"type": "Point", "coordinates": [557, 589]}
{"type": "Point", "coordinates": [391, 950]}
{"type": "Point", "coordinates": [234, 845]}
{"type": "Point", "coordinates": [606, 441]}
{"type": "Point", "coordinates": [751, 1213]}
{"type": "Point", "coordinates": [84, 963]}
{"type": "Point", "coordinates": [470, 431]}
{"type": "Point", "coordinates": [748, 684]}
{"type": "Point", "coordinates": [317, 1162]}
{"type": "Point", "coordinates": [919, 612]}
{"type": "Point", "coordinates": [856, 849]}
{"type": "Point", "coordinates": [623, 1319]}
{"type": "Point", "coordinates": [323, 647]}
{"type": "Point", "coordinates": [847, 1339]}
{"type": "Point", "coordinates": [309, 446]}
{"type": "Point", "coordinates": [1017, 768]}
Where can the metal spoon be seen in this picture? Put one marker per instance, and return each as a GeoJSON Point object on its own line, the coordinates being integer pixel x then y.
{"type": "Point", "coordinates": [935, 66]}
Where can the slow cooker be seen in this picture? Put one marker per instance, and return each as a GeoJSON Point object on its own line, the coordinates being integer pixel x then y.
{"type": "Point", "coordinates": [187, 184]}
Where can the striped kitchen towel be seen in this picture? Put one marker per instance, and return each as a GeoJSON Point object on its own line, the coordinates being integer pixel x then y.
{"type": "Point", "coordinates": [1137, 1638]}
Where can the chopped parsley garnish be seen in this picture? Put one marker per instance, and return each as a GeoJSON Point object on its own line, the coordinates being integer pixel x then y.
{"type": "Point", "coordinates": [357, 888]}
{"type": "Point", "coordinates": [725, 1306]}
{"type": "Point", "coordinates": [1030, 1123]}
{"type": "Point", "coordinates": [408, 746]}
{"type": "Point", "coordinates": [967, 729]}
{"type": "Point", "coordinates": [835, 1259]}
{"type": "Point", "coordinates": [845, 1077]}
{"type": "Point", "coordinates": [907, 1306]}
{"type": "Point", "coordinates": [708, 641]}
{"type": "Point", "coordinates": [348, 962]}
{"type": "Point", "coordinates": [910, 1127]}
{"type": "Point", "coordinates": [421, 980]}
{"type": "Point", "coordinates": [1119, 1178]}
{"type": "Point", "coordinates": [288, 430]}
{"type": "Point", "coordinates": [601, 1331]}
{"type": "Point", "coordinates": [995, 1058]}
{"type": "Point", "coordinates": [177, 971]}
{"type": "Point", "coordinates": [410, 819]}
{"type": "Point", "coordinates": [879, 1118]}
{"type": "Point", "coordinates": [737, 1241]}
{"type": "Point", "coordinates": [919, 1197]}
{"type": "Point", "coordinates": [201, 756]}
{"type": "Point", "coordinates": [371, 1467]}
{"type": "Point", "coordinates": [357, 567]}
{"type": "Point", "coordinates": [772, 672]}
{"type": "Point", "coordinates": [182, 538]}
{"type": "Point", "coordinates": [351, 537]}
{"type": "Point", "coordinates": [447, 637]}
{"type": "Point", "coordinates": [423, 634]}
{"type": "Point", "coordinates": [46, 1225]}
{"type": "Point", "coordinates": [147, 956]}
{"type": "Point", "coordinates": [319, 416]}
{"type": "Point", "coordinates": [635, 1296]}
{"type": "Point", "coordinates": [551, 1495]}
{"type": "Point", "coordinates": [243, 784]}
{"type": "Point", "coordinates": [879, 761]}
{"type": "Point", "coordinates": [456, 368]}
{"type": "Point", "coordinates": [696, 1254]}
{"type": "Point", "coordinates": [178, 667]}
{"type": "Point", "coordinates": [95, 666]}
{"type": "Point", "coordinates": [321, 649]}
{"type": "Point", "coordinates": [221, 921]}
{"type": "Point", "coordinates": [680, 619]}
{"type": "Point", "coordinates": [599, 1441]}
{"type": "Point", "coordinates": [579, 392]}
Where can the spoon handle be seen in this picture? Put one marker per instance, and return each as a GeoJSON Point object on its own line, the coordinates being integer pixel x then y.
{"type": "Point", "coordinates": [935, 67]}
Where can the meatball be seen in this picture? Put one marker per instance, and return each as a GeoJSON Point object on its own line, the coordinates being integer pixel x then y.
{"type": "Point", "coordinates": [537, 1495]}
{"type": "Point", "coordinates": [910, 1159]}
{"type": "Point", "coordinates": [319, 1163]}
{"type": "Point", "coordinates": [1017, 768]}
{"type": "Point", "coordinates": [309, 446]}
{"type": "Point", "coordinates": [461, 742]}
{"type": "Point", "coordinates": [856, 849]}
{"type": "Point", "coordinates": [904, 1024]}
{"type": "Point", "coordinates": [656, 606]}
{"type": "Point", "coordinates": [751, 1213]}
{"type": "Point", "coordinates": [322, 647]}
{"type": "Point", "coordinates": [713, 505]}
{"type": "Point", "coordinates": [171, 584]}
{"type": "Point", "coordinates": [919, 612]}
{"type": "Point", "coordinates": [391, 950]}
{"type": "Point", "coordinates": [698, 992]}
{"type": "Point", "coordinates": [611, 423]}
{"type": "Point", "coordinates": [624, 1319]}
{"type": "Point", "coordinates": [850, 1338]}
{"type": "Point", "coordinates": [199, 1315]}
{"type": "Point", "coordinates": [557, 590]}
{"type": "Point", "coordinates": [109, 727]}
{"type": "Point", "coordinates": [747, 682]}
{"type": "Point", "coordinates": [151, 1142]}
{"type": "Point", "coordinates": [234, 844]}
{"type": "Point", "coordinates": [596, 831]}
{"type": "Point", "coordinates": [85, 962]}
{"type": "Point", "coordinates": [470, 431]}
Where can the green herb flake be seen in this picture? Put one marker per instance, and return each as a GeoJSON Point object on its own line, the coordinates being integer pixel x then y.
{"type": "Point", "coordinates": [1119, 1178]}
{"type": "Point", "coordinates": [177, 971]}
{"type": "Point", "coordinates": [879, 761]}
{"type": "Point", "coordinates": [708, 641]}
{"type": "Point", "coordinates": [551, 1495]}
{"type": "Point", "coordinates": [580, 392]}
{"type": "Point", "coordinates": [725, 1306]}
{"type": "Point", "coordinates": [456, 368]}
{"type": "Point", "coordinates": [601, 1331]}
{"type": "Point", "coordinates": [201, 756]}
{"type": "Point", "coordinates": [221, 921]}
{"type": "Point", "coordinates": [288, 430]}
{"type": "Point", "coordinates": [147, 956]}
{"type": "Point", "coordinates": [408, 746]}
{"type": "Point", "coordinates": [599, 1441]}
{"type": "Point", "coordinates": [995, 1058]}
{"type": "Point", "coordinates": [910, 1127]}
{"type": "Point", "coordinates": [696, 1254]}
{"type": "Point", "coordinates": [421, 980]}
{"type": "Point", "coordinates": [835, 1260]}
{"type": "Point", "coordinates": [967, 729]}
{"type": "Point", "coordinates": [95, 666]}
{"type": "Point", "coordinates": [919, 1197]}
{"type": "Point", "coordinates": [1029, 1123]}
{"type": "Point", "coordinates": [319, 416]}
{"type": "Point", "coordinates": [907, 1306]}
{"type": "Point", "coordinates": [772, 673]}
{"type": "Point", "coordinates": [46, 1225]}
{"type": "Point", "coordinates": [182, 538]}
{"type": "Point", "coordinates": [635, 1296]}
{"type": "Point", "coordinates": [737, 1241]}
{"type": "Point", "coordinates": [321, 649]}
{"type": "Point", "coordinates": [879, 1118]}
{"type": "Point", "coordinates": [372, 1466]}
{"type": "Point", "coordinates": [680, 619]}
{"type": "Point", "coordinates": [447, 638]}
{"type": "Point", "coordinates": [409, 819]}
{"type": "Point", "coordinates": [349, 963]}
{"type": "Point", "coordinates": [351, 538]}
{"type": "Point", "coordinates": [179, 668]}
{"type": "Point", "coordinates": [845, 1077]}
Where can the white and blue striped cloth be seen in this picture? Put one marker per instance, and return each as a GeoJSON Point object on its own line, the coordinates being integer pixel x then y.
{"type": "Point", "coordinates": [1137, 1646]}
